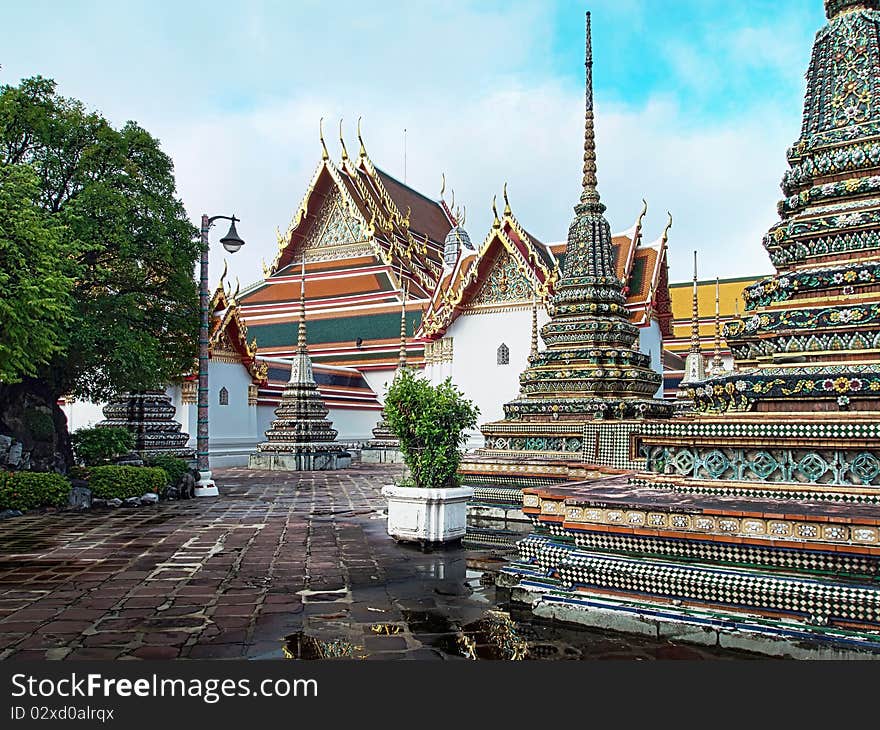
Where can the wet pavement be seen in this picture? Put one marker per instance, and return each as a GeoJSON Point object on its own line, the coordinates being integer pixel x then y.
{"type": "Point", "coordinates": [293, 565]}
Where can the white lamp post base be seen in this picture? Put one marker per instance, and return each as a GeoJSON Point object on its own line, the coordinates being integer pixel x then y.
{"type": "Point", "coordinates": [205, 487]}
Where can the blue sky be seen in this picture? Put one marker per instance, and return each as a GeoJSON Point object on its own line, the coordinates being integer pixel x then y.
{"type": "Point", "coordinates": [696, 101]}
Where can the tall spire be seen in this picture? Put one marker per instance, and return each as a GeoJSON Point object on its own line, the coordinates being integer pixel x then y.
{"type": "Point", "coordinates": [694, 364]}
{"type": "Point", "coordinates": [401, 362]}
{"type": "Point", "coordinates": [590, 191]}
{"type": "Point", "coordinates": [301, 339]}
{"type": "Point", "coordinates": [717, 362]}
{"type": "Point", "coordinates": [534, 349]}
{"type": "Point", "coordinates": [695, 315]}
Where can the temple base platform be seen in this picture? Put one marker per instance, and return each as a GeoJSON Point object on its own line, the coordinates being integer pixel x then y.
{"type": "Point", "coordinates": [777, 576]}
{"type": "Point", "coordinates": [371, 454]}
{"type": "Point", "coordinates": [311, 459]}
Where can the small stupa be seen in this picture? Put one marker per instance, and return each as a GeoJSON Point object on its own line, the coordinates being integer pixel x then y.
{"type": "Point", "coordinates": [694, 364]}
{"type": "Point", "coordinates": [301, 438]}
{"type": "Point", "coordinates": [149, 415]}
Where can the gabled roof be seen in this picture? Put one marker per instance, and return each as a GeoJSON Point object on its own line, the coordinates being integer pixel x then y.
{"type": "Point", "coordinates": [228, 333]}
{"type": "Point", "coordinates": [461, 282]}
{"type": "Point", "coordinates": [641, 266]}
{"type": "Point", "coordinates": [404, 229]}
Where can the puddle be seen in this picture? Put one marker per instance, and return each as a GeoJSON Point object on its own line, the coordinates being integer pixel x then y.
{"type": "Point", "coordinates": [304, 647]}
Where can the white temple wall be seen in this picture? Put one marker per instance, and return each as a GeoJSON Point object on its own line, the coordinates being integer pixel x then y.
{"type": "Point", "coordinates": [232, 428]}
{"type": "Point", "coordinates": [476, 339]}
{"type": "Point", "coordinates": [82, 414]}
{"type": "Point", "coordinates": [378, 380]}
{"type": "Point", "coordinates": [651, 343]}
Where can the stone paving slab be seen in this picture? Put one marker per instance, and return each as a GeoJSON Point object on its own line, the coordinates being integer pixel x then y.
{"type": "Point", "coordinates": [281, 564]}
{"type": "Point", "coordinates": [276, 554]}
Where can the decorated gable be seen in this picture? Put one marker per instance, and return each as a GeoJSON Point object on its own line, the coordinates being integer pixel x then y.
{"type": "Point", "coordinates": [506, 282]}
{"type": "Point", "coordinates": [334, 226]}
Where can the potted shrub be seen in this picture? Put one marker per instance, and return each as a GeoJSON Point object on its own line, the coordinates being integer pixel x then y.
{"type": "Point", "coordinates": [429, 506]}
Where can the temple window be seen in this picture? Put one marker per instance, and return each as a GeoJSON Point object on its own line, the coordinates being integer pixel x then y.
{"type": "Point", "coordinates": [503, 355]}
{"type": "Point", "coordinates": [224, 397]}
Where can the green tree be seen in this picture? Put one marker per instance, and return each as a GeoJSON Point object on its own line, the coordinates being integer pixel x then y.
{"type": "Point", "coordinates": [124, 242]}
{"type": "Point", "coordinates": [35, 300]}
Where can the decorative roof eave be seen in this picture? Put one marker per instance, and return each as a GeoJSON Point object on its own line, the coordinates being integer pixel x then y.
{"type": "Point", "coordinates": [397, 224]}
{"type": "Point", "coordinates": [297, 220]}
{"type": "Point", "coordinates": [226, 320]}
{"type": "Point", "coordinates": [448, 300]}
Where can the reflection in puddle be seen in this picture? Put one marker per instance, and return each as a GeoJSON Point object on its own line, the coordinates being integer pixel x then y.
{"type": "Point", "coordinates": [302, 646]}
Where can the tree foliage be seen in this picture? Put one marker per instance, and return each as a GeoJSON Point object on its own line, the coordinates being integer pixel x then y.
{"type": "Point", "coordinates": [430, 422]}
{"type": "Point", "coordinates": [35, 301]}
{"type": "Point", "coordinates": [122, 240]}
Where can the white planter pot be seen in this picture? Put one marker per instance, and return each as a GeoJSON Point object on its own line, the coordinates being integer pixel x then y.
{"type": "Point", "coordinates": [427, 515]}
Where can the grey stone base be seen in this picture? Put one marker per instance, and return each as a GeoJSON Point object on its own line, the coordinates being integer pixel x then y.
{"type": "Point", "coordinates": [300, 460]}
{"type": "Point", "coordinates": [665, 621]}
{"type": "Point", "coordinates": [381, 456]}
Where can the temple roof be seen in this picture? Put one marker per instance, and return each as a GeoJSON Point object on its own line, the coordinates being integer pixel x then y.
{"type": "Point", "coordinates": [399, 225]}
{"type": "Point", "coordinates": [641, 265]}
{"type": "Point", "coordinates": [228, 332]}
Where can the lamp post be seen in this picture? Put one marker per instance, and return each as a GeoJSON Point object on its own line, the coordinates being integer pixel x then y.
{"type": "Point", "coordinates": [205, 487]}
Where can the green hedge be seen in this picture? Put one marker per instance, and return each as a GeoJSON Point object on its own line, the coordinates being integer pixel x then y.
{"type": "Point", "coordinates": [122, 482]}
{"type": "Point", "coordinates": [24, 490]}
{"type": "Point", "coordinates": [98, 445]}
{"type": "Point", "coordinates": [173, 467]}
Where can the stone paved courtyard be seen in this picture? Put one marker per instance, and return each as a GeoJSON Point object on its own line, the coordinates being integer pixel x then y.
{"type": "Point", "coordinates": [281, 564]}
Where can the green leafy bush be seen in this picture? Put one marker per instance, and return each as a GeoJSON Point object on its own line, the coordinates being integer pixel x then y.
{"type": "Point", "coordinates": [174, 467]}
{"type": "Point", "coordinates": [429, 421]}
{"type": "Point", "coordinates": [24, 490]}
{"type": "Point", "coordinates": [94, 446]}
{"type": "Point", "coordinates": [122, 482]}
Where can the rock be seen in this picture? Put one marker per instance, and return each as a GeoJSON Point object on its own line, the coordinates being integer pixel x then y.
{"type": "Point", "coordinates": [171, 493]}
{"type": "Point", "coordinates": [187, 486]}
{"type": "Point", "coordinates": [132, 458]}
{"type": "Point", "coordinates": [13, 457]}
{"type": "Point", "coordinates": [149, 498]}
{"type": "Point", "coordinates": [5, 444]}
{"type": "Point", "coordinates": [99, 503]}
{"type": "Point", "coordinates": [132, 502]}
{"type": "Point", "coordinates": [7, 513]}
{"type": "Point", "coordinates": [115, 502]}
{"type": "Point", "coordinates": [80, 495]}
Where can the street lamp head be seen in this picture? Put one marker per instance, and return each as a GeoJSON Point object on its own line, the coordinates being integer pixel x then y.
{"type": "Point", "coordinates": [232, 241]}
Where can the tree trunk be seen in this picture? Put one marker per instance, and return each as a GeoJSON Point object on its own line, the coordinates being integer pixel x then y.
{"type": "Point", "coordinates": [30, 416]}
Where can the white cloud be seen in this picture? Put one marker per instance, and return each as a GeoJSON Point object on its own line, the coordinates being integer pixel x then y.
{"type": "Point", "coordinates": [720, 182]}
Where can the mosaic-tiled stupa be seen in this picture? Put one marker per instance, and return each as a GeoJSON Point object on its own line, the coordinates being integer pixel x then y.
{"type": "Point", "coordinates": [149, 415]}
{"type": "Point", "coordinates": [582, 395]}
{"type": "Point", "coordinates": [301, 438]}
{"type": "Point", "coordinates": [757, 524]}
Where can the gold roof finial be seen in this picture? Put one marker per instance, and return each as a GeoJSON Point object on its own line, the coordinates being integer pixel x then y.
{"type": "Point", "coordinates": [234, 297]}
{"type": "Point", "coordinates": [462, 216]}
{"type": "Point", "coordinates": [496, 223]}
{"type": "Point", "coordinates": [641, 218]}
{"type": "Point", "coordinates": [362, 152]}
{"type": "Point", "coordinates": [325, 155]}
{"type": "Point", "coordinates": [442, 184]}
{"type": "Point", "coordinates": [222, 284]}
{"type": "Point", "coordinates": [507, 210]}
{"type": "Point", "coordinates": [342, 142]}
{"type": "Point", "coordinates": [666, 230]}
